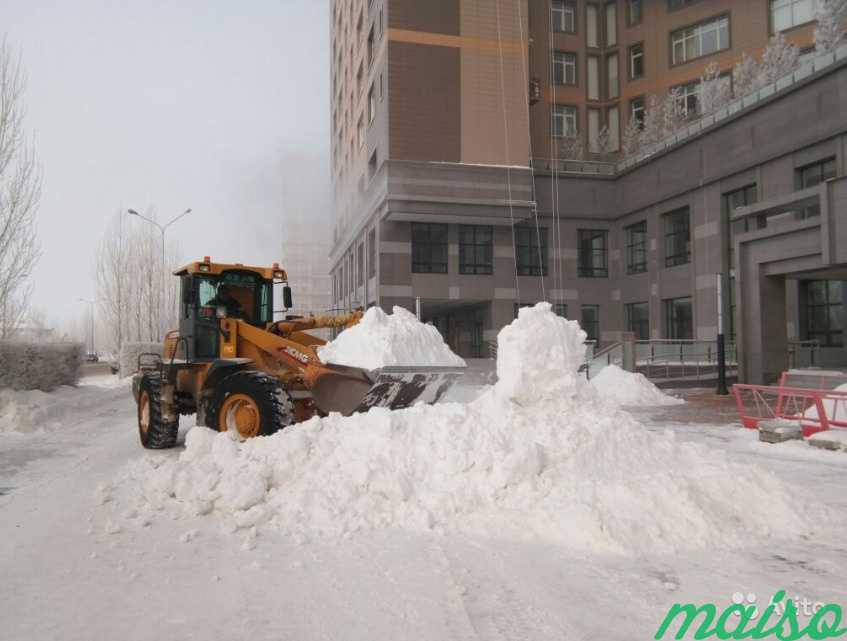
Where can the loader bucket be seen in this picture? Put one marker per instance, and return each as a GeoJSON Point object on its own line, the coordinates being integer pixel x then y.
{"type": "Point", "coordinates": [350, 389]}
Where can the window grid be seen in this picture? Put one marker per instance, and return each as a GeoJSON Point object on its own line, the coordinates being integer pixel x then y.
{"type": "Point", "coordinates": [564, 121]}
{"type": "Point", "coordinates": [679, 321]}
{"type": "Point", "coordinates": [731, 201]}
{"type": "Point", "coordinates": [810, 176]}
{"type": "Point", "coordinates": [634, 12]}
{"type": "Point", "coordinates": [825, 316]}
{"type": "Point", "coordinates": [429, 248]}
{"type": "Point", "coordinates": [593, 255]}
{"type": "Point", "coordinates": [372, 253]}
{"type": "Point", "coordinates": [636, 248]}
{"type": "Point", "coordinates": [787, 14]}
{"type": "Point", "coordinates": [638, 320]}
{"type": "Point", "coordinates": [636, 61]}
{"type": "Point", "coordinates": [677, 238]}
{"type": "Point", "coordinates": [564, 16]}
{"type": "Point", "coordinates": [700, 40]}
{"type": "Point", "coordinates": [564, 68]}
{"type": "Point", "coordinates": [476, 249]}
{"type": "Point", "coordinates": [526, 245]}
{"type": "Point", "coordinates": [591, 322]}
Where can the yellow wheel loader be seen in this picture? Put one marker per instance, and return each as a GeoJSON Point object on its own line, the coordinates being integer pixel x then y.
{"type": "Point", "coordinates": [237, 369]}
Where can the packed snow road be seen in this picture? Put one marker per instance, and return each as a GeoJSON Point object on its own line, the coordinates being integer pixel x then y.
{"type": "Point", "coordinates": [69, 571]}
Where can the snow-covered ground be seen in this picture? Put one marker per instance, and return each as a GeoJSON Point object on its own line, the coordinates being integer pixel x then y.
{"type": "Point", "coordinates": [80, 560]}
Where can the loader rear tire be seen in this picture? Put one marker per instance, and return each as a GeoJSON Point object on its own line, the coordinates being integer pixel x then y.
{"type": "Point", "coordinates": [251, 403]}
{"type": "Point", "coordinates": [155, 433]}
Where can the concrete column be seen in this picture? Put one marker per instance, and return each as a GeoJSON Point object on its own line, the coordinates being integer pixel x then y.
{"type": "Point", "coordinates": [773, 338]}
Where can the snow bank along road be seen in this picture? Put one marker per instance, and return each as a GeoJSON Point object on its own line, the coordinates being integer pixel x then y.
{"type": "Point", "coordinates": [81, 558]}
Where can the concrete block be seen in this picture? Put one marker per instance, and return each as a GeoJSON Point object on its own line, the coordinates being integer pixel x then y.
{"type": "Point", "coordinates": [829, 440]}
{"type": "Point", "coordinates": [779, 430]}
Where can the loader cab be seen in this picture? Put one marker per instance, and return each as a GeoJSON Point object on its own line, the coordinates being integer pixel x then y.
{"type": "Point", "coordinates": [211, 293]}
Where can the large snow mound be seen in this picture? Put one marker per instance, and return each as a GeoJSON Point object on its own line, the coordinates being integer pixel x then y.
{"type": "Point", "coordinates": [531, 458]}
{"type": "Point", "coordinates": [34, 410]}
{"type": "Point", "coordinates": [381, 340]}
{"type": "Point", "coordinates": [630, 389]}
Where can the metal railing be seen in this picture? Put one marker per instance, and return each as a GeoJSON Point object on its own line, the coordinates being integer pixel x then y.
{"type": "Point", "coordinates": [803, 353]}
{"type": "Point", "coordinates": [670, 358]}
{"type": "Point", "coordinates": [609, 355]}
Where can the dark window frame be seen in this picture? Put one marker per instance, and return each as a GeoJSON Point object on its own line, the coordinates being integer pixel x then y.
{"type": "Point", "coordinates": [556, 63]}
{"type": "Point", "coordinates": [372, 253]}
{"type": "Point", "coordinates": [527, 250]}
{"type": "Point", "coordinates": [675, 325]}
{"type": "Point", "coordinates": [591, 328]}
{"type": "Point", "coordinates": [639, 326]}
{"type": "Point", "coordinates": [831, 335]}
{"type": "Point", "coordinates": [565, 4]}
{"type": "Point", "coordinates": [811, 211]}
{"type": "Point", "coordinates": [475, 248]}
{"type": "Point", "coordinates": [630, 22]}
{"type": "Point", "coordinates": [677, 237]}
{"type": "Point", "coordinates": [633, 246]}
{"type": "Point", "coordinates": [431, 243]}
{"type": "Point", "coordinates": [700, 56]}
{"type": "Point", "coordinates": [629, 52]}
{"type": "Point", "coordinates": [729, 202]}
{"type": "Point", "coordinates": [594, 268]}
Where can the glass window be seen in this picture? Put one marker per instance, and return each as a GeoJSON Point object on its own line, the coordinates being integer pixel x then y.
{"type": "Point", "coordinates": [636, 61]}
{"type": "Point", "coordinates": [564, 68]}
{"type": "Point", "coordinates": [810, 176]}
{"type": "Point", "coordinates": [593, 78]}
{"type": "Point", "coordinates": [689, 99]}
{"type": "Point", "coordinates": [592, 253]}
{"type": "Point", "coordinates": [371, 105]}
{"type": "Point", "coordinates": [476, 249]}
{"type": "Point", "coordinates": [360, 263]}
{"type": "Point", "coordinates": [429, 248]}
{"type": "Point", "coordinates": [730, 202]}
{"type": "Point", "coordinates": [592, 36]}
{"type": "Point", "coordinates": [700, 40]}
{"type": "Point", "coordinates": [611, 24]}
{"type": "Point", "coordinates": [531, 259]}
{"type": "Point", "coordinates": [636, 248]}
{"type": "Point", "coordinates": [594, 130]}
{"type": "Point", "coordinates": [679, 319]}
{"type": "Point", "coordinates": [372, 253]}
{"type": "Point", "coordinates": [679, 4]}
{"type": "Point", "coordinates": [564, 16]}
{"type": "Point", "coordinates": [636, 110]}
{"type": "Point", "coordinates": [638, 320]}
{"type": "Point", "coordinates": [825, 316]}
{"type": "Point", "coordinates": [591, 322]}
{"type": "Point", "coordinates": [564, 121]}
{"type": "Point", "coordinates": [613, 121]}
{"type": "Point", "coordinates": [677, 238]}
{"type": "Point", "coordinates": [612, 75]}
{"type": "Point", "coordinates": [634, 12]}
{"type": "Point", "coordinates": [245, 295]}
{"type": "Point", "coordinates": [786, 14]}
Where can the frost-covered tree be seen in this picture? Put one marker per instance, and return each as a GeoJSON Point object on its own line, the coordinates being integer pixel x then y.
{"type": "Point", "coordinates": [602, 145]}
{"type": "Point", "coordinates": [779, 59]}
{"type": "Point", "coordinates": [571, 148]}
{"type": "Point", "coordinates": [20, 192]}
{"type": "Point", "coordinates": [832, 24]}
{"type": "Point", "coordinates": [631, 140]}
{"type": "Point", "coordinates": [745, 76]}
{"type": "Point", "coordinates": [714, 90]}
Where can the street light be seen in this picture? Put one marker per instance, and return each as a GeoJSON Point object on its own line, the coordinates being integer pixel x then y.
{"type": "Point", "coordinates": [90, 320]}
{"type": "Point", "coordinates": [162, 229]}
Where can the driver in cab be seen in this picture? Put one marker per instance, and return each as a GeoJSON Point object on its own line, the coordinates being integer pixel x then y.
{"type": "Point", "coordinates": [224, 298]}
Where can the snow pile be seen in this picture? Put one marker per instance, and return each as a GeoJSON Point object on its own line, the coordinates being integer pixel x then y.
{"type": "Point", "coordinates": [34, 410]}
{"type": "Point", "coordinates": [381, 340]}
{"type": "Point", "coordinates": [537, 456]}
{"type": "Point", "coordinates": [630, 389]}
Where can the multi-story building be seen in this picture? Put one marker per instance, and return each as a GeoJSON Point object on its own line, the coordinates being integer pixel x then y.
{"type": "Point", "coordinates": [450, 119]}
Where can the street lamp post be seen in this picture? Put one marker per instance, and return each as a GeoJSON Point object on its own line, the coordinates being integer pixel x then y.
{"type": "Point", "coordinates": [162, 229]}
{"type": "Point", "coordinates": [90, 304]}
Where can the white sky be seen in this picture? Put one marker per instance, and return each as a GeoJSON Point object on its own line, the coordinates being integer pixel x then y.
{"type": "Point", "coordinates": [216, 105]}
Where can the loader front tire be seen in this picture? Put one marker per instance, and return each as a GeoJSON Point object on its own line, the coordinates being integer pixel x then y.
{"type": "Point", "coordinates": [250, 403]}
{"type": "Point", "coordinates": [155, 433]}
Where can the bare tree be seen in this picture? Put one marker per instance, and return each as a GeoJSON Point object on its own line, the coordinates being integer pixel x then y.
{"type": "Point", "coordinates": [715, 90]}
{"type": "Point", "coordinates": [779, 59]}
{"type": "Point", "coordinates": [745, 76]}
{"type": "Point", "coordinates": [571, 148]}
{"type": "Point", "coordinates": [832, 24]}
{"type": "Point", "coordinates": [602, 145]}
{"type": "Point", "coordinates": [631, 141]}
{"type": "Point", "coordinates": [20, 191]}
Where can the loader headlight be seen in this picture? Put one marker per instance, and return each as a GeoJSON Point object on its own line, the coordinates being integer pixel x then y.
{"type": "Point", "coordinates": [204, 268]}
{"type": "Point", "coordinates": [220, 312]}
